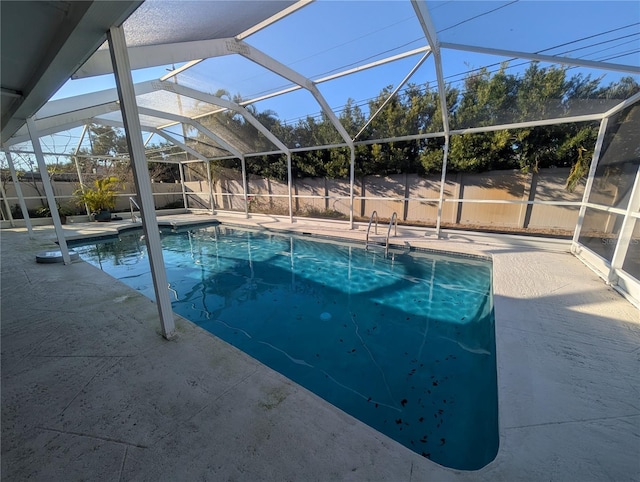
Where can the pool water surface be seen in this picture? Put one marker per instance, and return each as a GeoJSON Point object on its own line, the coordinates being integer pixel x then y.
{"type": "Point", "coordinates": [405, 343]}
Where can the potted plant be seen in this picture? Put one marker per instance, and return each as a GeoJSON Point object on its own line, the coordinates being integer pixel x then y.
{"type": "Point", "coordinates": [100, 197]}
{"type": "Point", "coordinates": [63, 211]}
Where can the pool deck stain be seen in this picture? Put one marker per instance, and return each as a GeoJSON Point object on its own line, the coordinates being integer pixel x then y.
{"type": "Point", "coordinates": [90, 390]}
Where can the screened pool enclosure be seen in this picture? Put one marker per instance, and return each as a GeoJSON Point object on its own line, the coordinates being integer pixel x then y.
{"type": "Point", "coordinates": [516, 116]}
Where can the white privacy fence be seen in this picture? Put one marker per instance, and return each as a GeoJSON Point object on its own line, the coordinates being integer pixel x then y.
{"type": "Point", "coordinates": [497, 199]}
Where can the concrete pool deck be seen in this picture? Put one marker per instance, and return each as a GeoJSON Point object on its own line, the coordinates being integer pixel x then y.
{"type": "Point", "coordinates": [91, 391]}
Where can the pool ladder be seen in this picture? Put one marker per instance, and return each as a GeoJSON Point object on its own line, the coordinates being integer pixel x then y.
{"type": "Point", "coordinates": [374, 215]}
{"type": "Point", "coordinates": [134, 217]}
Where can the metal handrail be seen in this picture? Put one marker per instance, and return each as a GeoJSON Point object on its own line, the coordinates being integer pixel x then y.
{"type": "Point", "coordinates": [394, 217]}
{"type": "Point", "coordinates": [132, 202]}
{"type": "Point", "coordinates": [366, 241]}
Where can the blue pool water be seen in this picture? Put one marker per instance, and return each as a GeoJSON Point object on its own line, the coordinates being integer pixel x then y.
{"type": "Point", "coordinates": [406, 343]}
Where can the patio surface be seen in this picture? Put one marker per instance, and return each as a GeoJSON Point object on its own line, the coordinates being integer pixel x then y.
{"type": "Point", "coordinates": [91, 391]}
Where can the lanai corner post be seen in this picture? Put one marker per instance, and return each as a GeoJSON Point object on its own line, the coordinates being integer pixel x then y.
{"type": "Point", "coordinates": [130, 116]}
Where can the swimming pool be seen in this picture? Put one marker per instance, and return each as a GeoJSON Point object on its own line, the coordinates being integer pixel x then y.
{"type": "Point", "coordinates": [405, 343]}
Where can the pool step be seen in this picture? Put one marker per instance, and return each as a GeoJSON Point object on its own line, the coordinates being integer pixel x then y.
{"type": "Point", "coordinates": [392, 249]}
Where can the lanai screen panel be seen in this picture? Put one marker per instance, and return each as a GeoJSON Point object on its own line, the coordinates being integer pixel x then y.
{"type": "Point", "coordinates": [192, 138]}
{"type": "Point", "coordinates": [619, 160]}
{"type": "Point", "coordinates": [62, 142]}
{"type": "Point", "coordinates": [489, 90]}
{"type": "Point", "coordinates": [175, 104]}
{"type": "Point", "coordinates": [145, 121]}
{"type": "Point", "coordinates": [327, 37]}
{"type": "Point", "coordinates": [591, 30]}
{"type": "Point", "coordinates": [631, 263]}
{"type": "Point", "coordinates": [231, 126]}
{"type": "Point", "coordinates": [232, 77]}
{"type": "Point", "coordinates": [414, 109]}
{"type": "Point", "coordinates": [297, 120]}
{"type": "Point", "coordinates": [233, 129]}
{"type": "Point", "coordinates": [167, 153]}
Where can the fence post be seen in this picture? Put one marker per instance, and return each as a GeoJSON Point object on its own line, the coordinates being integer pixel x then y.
{"type": "Point", "coordinates": [363, 193]}
{"type": "Point", "coordinates": [529, 194]}
{"type": "Point", "coordinates": [459, 194]}
{"type": "Point", "coordinates": [326, 195]}
{"type": "Point", "coordinates": [405, 211]}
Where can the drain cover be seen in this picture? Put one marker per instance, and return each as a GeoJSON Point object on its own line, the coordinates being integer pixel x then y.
{"type": "Point", "coordinates": [54, 256]}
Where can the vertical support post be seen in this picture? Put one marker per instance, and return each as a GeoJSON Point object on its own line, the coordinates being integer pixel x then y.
{"type": "Point", "coordinates": [48, 189]}
{"type": "Point", "coordinates": [352, 178]}
{"type": "Point", "coordinates": [424, 17]}
{"type": "Point", "coordinates": [6, 205]}
{"type": "Point", "coordinates": [443, 180]}
{"type": "Point", "coordinates": [129, 109]}
{"type": "Point", "coordinates": [184, 193]}
{"type": "Point", "coordinates": [243, 165]}
{"type": "Point", "coordinates": [75, 158]}
{"type": "Point", "coordinates": [589, 184]}
{"type": "Point", "coordinates": [16, 185]}
{"type": "Point", "coordinates": [289, 185]}
{"type": "Point", "coordinates": [210, 184]}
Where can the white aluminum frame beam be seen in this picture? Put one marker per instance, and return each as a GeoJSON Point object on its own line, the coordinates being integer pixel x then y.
{"type": "Point", "coordinates": [64, 114]}
{"type": "Point", "coordinates": [184, 192]}
{"type": "Point", "coordinates": [78, 170]}
{"type": "Point", "coordinates": [274, 18]}
{"type": "Point", "coordinates": [231, 46]}
{"type": "Point", "coordinates": [393, 94]}
{"type": "Point", "coordinates": [245, 190]}
{"type": "Point", "coordinates": [160, 132]}
{"type": "Point", "coordinates": [16, 185]}
{"type": "Point", "coordinates": [118, 124]}
{"type": "Point", "coordinates": [89, 100]}
{"type": "Point", "coordinates": [155, 55]}
{"type": "Point", "coordinates": [204, 97]}
{"type": "Point", "coordinates": [290, 185]}
{"type": "Point", "coordinates": [590, 177]}
{"type": "Point", "coordinates": [46, 132]}
{"type": "Point", "coordinates": [623, 105]}
{"type": "Point", "coordinates": [130, 116]}
{"type": "Point", "coordinates": [6, 205]}
{"type": "Point", "coordinates": [424, 17]}
{"type": "Point", "coordinates": [352, 181]}
{"type": "Point", "coordinates": [592, 64]}
{"type": "Point", "coordinates": [48, 189]}
{"type": "Point", "coordinates": [344, 73]}
{"type": "Point", "coordinates": [96, 99]}
{"type": "Point", "coordinates": [291, 75]}
{"type": "Point", "coordinates": [211, 201]}
{"type": "Point", "coordinates": [377, 63]}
